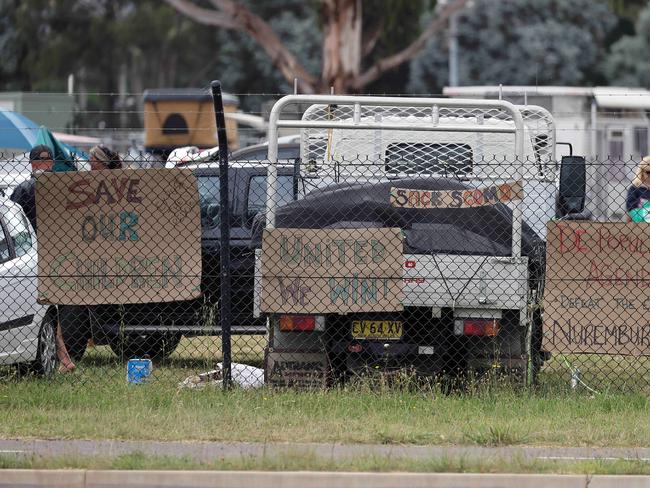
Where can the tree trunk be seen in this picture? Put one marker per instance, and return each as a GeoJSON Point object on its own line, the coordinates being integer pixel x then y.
{"type": "Point", "coordinates": [341, 44]}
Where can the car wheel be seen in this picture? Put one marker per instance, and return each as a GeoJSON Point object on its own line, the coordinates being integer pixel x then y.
{"type": "Point", "coordinates": [156, 345]}
{"type": "Point", "coordinates": [46, 359]}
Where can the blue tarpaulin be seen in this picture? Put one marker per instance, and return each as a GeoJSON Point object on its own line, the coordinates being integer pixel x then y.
{"type": "Point", "coordinates": [64, 155]}
{"type": "Point", "coordinates": [17, 132]}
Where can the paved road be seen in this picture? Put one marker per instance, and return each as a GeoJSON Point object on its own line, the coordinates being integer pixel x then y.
{"type": "Point", "coordinates": [206, 451]}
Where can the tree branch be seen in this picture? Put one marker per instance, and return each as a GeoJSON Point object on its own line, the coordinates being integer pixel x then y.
{"type": "Point", "coordinates": [203, 15]}
{"type": "Point", "coordinates": [371, 39]}
{"type": "Point", "coordinates": [231, 15]}
{"type": "Point", "coordinates": [435, 26]}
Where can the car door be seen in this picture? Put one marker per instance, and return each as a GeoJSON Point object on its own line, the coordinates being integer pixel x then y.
{"type": "Point", "coordinates": [20, 314]}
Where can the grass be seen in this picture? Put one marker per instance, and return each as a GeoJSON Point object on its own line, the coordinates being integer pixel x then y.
{"type": "Point", "coordinates": [111, 409]}
{"type": "Point", "coordinates": [96, 403]}
{"type": "Point", "coordinates": [308, 461]}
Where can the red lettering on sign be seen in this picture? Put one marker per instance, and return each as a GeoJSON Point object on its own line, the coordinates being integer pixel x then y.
{"type": "Point", "coordinates": [467, 198]}
{"type": "Point", "coordinates": [114, 190]}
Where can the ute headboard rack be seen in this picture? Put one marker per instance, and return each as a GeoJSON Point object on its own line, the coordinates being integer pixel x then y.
{"type": "Point", "coordinates": [360, 138]}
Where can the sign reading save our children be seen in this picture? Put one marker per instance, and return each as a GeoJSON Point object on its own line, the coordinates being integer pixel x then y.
{"type": "Point", "coordinates": [597, 292]}
{"type": "Point", "coordinates": [118, 236]}
{"type": "Point", "coordinates": [332, 270]}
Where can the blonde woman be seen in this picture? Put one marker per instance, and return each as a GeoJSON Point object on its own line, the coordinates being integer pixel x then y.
{"type": "Point", "coordinates": [638, 195]}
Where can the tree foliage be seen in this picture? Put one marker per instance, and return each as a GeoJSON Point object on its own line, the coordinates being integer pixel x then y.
{"type": "Point", "coordinates": [629, 63]}
{"type": "Point", "coordinates": [357, 48]}
{"type": "Point", "coordinates": [520, 42]}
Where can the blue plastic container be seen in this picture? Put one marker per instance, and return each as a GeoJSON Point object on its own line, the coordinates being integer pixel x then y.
{"type": "Point", "coordinates": [138, 370]}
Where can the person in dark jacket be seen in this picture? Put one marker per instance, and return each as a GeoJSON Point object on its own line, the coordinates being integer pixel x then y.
{"type": "Point", "coordinates": [41, 160]}
{"type": "Point", "coordinates": [638, 195]}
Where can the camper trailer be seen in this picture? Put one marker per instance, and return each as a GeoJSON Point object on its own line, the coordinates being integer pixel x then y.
{"type": "Point", "coordinates": [609, 125]}
{"type": "Point", "coordinates": [184, 117]}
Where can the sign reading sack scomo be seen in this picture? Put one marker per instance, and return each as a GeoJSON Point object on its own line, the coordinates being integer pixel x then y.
{"type": "Point", "coordinates": [118, 236]}
{"type": "Point", "coordinates": [332, 270]}
{"type": "Point", "coordinates": [461, 198]}
{"type": "Point", "coordinates": [597, 291]}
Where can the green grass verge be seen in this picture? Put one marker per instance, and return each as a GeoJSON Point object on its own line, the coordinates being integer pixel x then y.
{"type": "Point", "coordinates": [114, 410]}
{"type": "Point", "coordinates": [95, 402]}
{"type": "Point", "coordinates": [307, 461]}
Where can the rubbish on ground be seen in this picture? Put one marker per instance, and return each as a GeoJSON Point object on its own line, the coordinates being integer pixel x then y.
{"type": "Point", "coordinates": [243, 375]}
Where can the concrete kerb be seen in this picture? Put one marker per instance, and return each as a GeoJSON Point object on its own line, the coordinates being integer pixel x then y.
{"type": "Point", "coordinates": [246, 479]}
{"type": "Point", "coordinates": [24, 478]}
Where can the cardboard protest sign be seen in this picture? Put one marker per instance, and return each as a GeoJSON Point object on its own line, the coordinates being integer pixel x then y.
{"type": "Point", "coordinates": [332, 270]}
{"type": "Point", "coordinates": [597, 292]}
{"type": "Point", "coordinates": [468, 198]}
{"type": "Point", "coordinates": [118, 236]}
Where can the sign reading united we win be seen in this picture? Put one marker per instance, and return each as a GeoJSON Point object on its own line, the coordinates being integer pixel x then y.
{"type": "Point", "coordinates": [461, 198]}
{"type": "Point", "coordinates": [332, 270]}
{"type": "Point", "coordinates": [597, 291]}
{"type": "Point", "coordinates": [118, 236]}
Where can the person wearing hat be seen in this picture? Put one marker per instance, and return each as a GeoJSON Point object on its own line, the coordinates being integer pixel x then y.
{"type": "Point", "coordinates": [102, 157]}
{"type": "Point", "coordinates": [42, 160]}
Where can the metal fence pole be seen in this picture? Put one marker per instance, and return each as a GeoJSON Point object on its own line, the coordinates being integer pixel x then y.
{"type": "Point", "coordinates": [225, 316]}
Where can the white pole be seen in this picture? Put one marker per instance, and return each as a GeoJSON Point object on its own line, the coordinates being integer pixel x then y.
{"type": "Point", "coordinates": [453, 50]}
{"type": "Point", "coordinates": [70, 84]}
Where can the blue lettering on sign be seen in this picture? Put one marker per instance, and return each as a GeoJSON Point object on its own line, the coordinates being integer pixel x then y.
{"type": "Point", "coordinates": [128, 220]}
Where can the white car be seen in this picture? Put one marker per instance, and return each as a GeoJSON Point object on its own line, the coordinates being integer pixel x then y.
{"type": "Point", "coordinates": [27, 329]}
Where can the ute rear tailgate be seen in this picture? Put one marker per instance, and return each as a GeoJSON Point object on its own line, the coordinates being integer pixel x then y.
{"type": "Point", "coordinates": [465, 281]}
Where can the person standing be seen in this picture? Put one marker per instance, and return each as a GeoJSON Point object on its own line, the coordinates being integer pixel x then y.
{"type": "Point", "coordinates": [42, 161]}
{"type": "Point", "coordinates": [102, 157]}
{"type": "Point", "coordinates": [637, 203]}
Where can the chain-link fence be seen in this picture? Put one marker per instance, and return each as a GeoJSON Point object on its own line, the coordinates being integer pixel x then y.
{"type": "Point", "coordinates": [420, 240]}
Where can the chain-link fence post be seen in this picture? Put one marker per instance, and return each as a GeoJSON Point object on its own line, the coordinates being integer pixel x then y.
{"type": "Point", "coordinates": [224, 271]}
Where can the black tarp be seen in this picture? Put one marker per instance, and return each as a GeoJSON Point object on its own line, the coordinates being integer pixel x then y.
{"type": "Point", "coordinates": [481, 230]}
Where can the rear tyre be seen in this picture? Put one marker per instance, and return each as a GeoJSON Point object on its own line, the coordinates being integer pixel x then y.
{"type": "Point", "coordinates": [155, 345]}
{"type": "Point", "coordinates": [46, 359]}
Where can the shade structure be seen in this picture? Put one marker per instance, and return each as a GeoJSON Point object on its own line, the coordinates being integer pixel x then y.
{"type": "Point", "coordinates": [17, 132]}
{"type": "Point", "coordinates": [64, 155]}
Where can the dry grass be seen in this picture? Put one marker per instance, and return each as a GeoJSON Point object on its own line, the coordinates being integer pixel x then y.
{"type": "Point", "coordinates": [300, 461]}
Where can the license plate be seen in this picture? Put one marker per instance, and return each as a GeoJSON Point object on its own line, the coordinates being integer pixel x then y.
{"type": "Point", "coordinates": [377, 329]}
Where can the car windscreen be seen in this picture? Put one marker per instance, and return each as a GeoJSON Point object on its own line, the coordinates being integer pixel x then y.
{"type": "Point", "coordinates": [209, 200]}
{"type": "Point", "coordinates": [257, 193]}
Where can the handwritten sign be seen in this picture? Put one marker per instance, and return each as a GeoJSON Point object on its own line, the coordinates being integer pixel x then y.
{"type": "Point", "coordinates": [332, 270]}
{"type": "Point", "coordinates": [473, 197]}
{"type": "Point", "coordinates": [597, 294]}
{"type": "Point", "coordinates": [118, 236]}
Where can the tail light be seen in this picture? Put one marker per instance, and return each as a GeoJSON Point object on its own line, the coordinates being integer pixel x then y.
{"type": "Point", "coordinates": [301, 323]}
{"type": "Point", "coordinates": [477, 327]}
